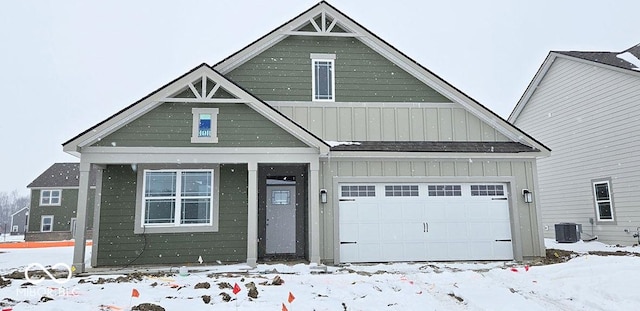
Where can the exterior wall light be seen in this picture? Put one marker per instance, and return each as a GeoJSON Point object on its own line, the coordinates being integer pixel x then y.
{"type": "Point", "coordinates": [323, 195]}
{"type": "Point", "coordinates": [527, 195]}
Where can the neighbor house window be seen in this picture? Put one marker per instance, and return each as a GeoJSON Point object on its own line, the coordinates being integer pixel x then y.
{"type": "Point", "coordinates": [603, 200]}
{"type": "Point", "coordinates": [178, 197]}
{"type": "Point", "coordinates": [323, 77]}
{"type": "Point", "coordinates": [205, 123]}
{"type": "Point", "coordinates": [46, 223]}
{"type": "Point", "coordinates": [50, 197]}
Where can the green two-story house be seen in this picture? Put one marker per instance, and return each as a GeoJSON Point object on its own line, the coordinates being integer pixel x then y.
{"type": "Point", "coordinates": [318, 141]}
{"type": "Point", "coordinates": [54, 203]}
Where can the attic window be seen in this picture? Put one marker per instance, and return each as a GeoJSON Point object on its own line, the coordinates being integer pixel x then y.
{"type": "Point", "coordinates": [323, 77]}
{"type": "Point", "coordinates": [205, 123]}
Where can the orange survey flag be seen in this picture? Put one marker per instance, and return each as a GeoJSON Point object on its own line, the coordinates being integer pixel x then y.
{"type": "Point", "coordinates": [135, 293]}
{"type": "Point", "coordinates": [291, 297]}
{"type": "Point", "coordinates": [284, 308]}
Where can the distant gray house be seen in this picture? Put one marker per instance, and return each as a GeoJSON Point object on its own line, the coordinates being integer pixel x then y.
{"type": "Point", "coordinates": [19, 221]}
{"type": "Point", "coordinates": [54, 199]}
{"type": "Point", "coordinates": [319, 141]}
{"type": "Point", "coordinates": [586, 107]}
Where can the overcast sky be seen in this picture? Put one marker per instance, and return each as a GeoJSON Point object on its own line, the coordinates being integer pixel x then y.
{"type": "Point", "coordinates": [67, 65]}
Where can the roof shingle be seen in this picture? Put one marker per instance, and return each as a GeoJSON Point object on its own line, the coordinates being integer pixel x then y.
{"type": "Point", "coordinates": [61, 175]}
{"type": "Point", "coordinates": [436, 146]}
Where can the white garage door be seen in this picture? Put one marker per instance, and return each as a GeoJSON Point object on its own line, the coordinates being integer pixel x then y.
{"type": "Point", "coordinates": [422, 222]}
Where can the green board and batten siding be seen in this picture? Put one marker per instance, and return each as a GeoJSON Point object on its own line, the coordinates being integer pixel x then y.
{"type": "Point", "coordinates": [402, 123]}
{"type": "Point", "coordinates": [170, 125]}
{"type": "Point", "coordinates": [119, 246]}
{"type": "Point", "coordinates": [283, 73]}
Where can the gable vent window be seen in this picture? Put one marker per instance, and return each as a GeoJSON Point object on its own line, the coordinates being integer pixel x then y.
{"type": "Point", "coordinates": [323, 77]}
{"type": "Point", "coordinates": [205, 122]}
{"type": "Point", "coordinates": [603, 200]}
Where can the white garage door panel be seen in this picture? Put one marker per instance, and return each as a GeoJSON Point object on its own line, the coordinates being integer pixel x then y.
{"type": "Point", "coordinates": [423, 227]}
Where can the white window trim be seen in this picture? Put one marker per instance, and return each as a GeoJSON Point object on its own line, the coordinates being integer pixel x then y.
{"type": "Point", "coordinates": [595, 201]}
{"type": "Point", "coordinates": [141, 228]}
{"type": "Point", "coordinates": [323, 58]}
{"type": "Point", "coordinates": [42, 218]}
{"type": "Point", "coordinates": [196, 125]}
{"type": "Point", "coordinates": [50, 196]}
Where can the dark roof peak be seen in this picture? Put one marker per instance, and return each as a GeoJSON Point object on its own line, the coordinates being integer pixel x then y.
{"type": "Point", "coordinates": [616, 59]}
{"type": "Point", "coordinates": [66, 174]}
{"type": "Point", "coordinates": [635, 50]}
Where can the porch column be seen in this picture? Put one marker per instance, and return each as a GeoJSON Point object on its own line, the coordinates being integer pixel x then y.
{"type": "Point", "coordinates": [96, 216]}
{"type": "Point", "coordinates": [252, 215]}
{"type": "Point", "coordinates": [81, 216]}
{"type": "Point", "coordinates": [314, 212]}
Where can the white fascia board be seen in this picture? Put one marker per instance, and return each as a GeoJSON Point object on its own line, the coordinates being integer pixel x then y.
{"type": "Point", "coordinates": [544, 68]}
{"type": "Point", "coordinates": [533, 85]}
{"type": "Point", "coordinates": [20, 210]}
{"type": "Point", "coordinates": [200, 150]}
{"type": "Point", "coordinates": [161, 96]}
{"type": "Point", "coordinates": [362, 104]}
{"type": "Point", "coordinates": [54, 188]}
{"type": "Point", "coordinates": [276, 117]}
{"type": "Point", "coordinates": [392, 55]}
{"type": "Point", "coordinates": [132, 112]}
{"type": "Point", "coordinates": [280, 155]}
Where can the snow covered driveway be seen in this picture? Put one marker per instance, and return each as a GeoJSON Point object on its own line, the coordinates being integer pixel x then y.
{"type": "Point", "coordinates": [587, 282]}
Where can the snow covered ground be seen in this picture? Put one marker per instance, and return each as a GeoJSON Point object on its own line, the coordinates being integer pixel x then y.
{"type": "Point", "coordinates": [586, 282]}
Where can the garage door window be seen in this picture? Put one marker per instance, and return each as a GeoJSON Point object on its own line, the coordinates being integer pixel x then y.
{"type": "Point", "coordinates": [401, 191]}
{"type": "Point", "coordinates": [487, 190]}
{"type": "Point", "coordinates": [358, 191]}
{"type": "Point", "coordinates": [444, 190]}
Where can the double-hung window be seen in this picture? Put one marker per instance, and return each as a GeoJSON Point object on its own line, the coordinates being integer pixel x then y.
{"type": "Point", "coordinates": [46, 223]}
{"type": "Point", "coordinates": [323, 77]}
{"type": "Point", "coordinates": [603, 200]}
{"type": "Point", "coordinates": [50, 197]}
{"type": "Point", "coordinates": [178, 197]}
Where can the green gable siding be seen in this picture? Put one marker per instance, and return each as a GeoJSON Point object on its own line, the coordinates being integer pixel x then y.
{"type": "Point", "coordinates": [170, 125]}
{"type": "Point", "coordinates": [62, 213]}
{"type": "Point", "coordinates": [119, 246]}
{"type": "Point", "coordinates": [283, 73]}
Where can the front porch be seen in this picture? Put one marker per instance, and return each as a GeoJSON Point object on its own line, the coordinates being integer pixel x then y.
{"type": "Point", "coordinates": [239, 232]}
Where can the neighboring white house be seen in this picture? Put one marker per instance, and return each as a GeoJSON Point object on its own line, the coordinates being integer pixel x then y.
{"type": "Point", "coordinates": [585, 106]}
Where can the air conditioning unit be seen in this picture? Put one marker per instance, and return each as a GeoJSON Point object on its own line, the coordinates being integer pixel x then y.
{"type": "Point", "coordinates": [568, 232]}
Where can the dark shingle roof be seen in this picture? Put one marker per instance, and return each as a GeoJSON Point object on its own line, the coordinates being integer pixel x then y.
{"type": "Point", "coordinates": [607, 58]}
{"type": "Point", "coordinates": [436, 146]}
{"type": "Point", "coordinates": [61, 175]}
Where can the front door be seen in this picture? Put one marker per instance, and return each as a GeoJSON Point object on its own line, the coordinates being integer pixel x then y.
{"type": "Point", "coordinates": [281, 218]}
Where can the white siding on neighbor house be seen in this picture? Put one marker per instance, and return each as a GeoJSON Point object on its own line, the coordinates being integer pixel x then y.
{"type": "Point", "coordinates": [390, 122]}
{"type": "Point", "coordinates": [589, 116]}
{"type": "Point", "coordinates": [520, 172]}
